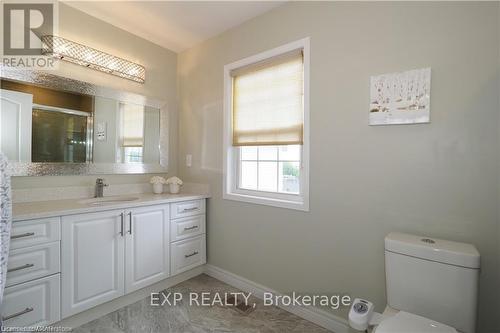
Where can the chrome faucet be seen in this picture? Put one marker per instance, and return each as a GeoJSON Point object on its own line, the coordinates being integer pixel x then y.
{"type": "Point", "coordinates": [99, 188]}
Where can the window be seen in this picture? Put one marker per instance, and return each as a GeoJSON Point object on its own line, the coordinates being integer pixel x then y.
{"type": "Point", "coordinates": [132, 154]}
{"type": "Point", "coordinates": [132, 132]}
{"type": "Point", "coordinates": [270, 168]}
{"type": "Point", "coordinates": [266, 146]}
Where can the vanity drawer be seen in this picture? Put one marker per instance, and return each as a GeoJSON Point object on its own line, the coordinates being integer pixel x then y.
{"type": "Point", "coordinates": [187, 254]}
{"type": "Point", "coordinates": [34, 303]}
{"type": "Point", "coordinates": [187, 227]}
{"type": "Point", "coordinates": [33, 262]}
{"type": "Point", "coordinates": [32, 232]}
{"type": "Point", "coordinates": [187, 208]}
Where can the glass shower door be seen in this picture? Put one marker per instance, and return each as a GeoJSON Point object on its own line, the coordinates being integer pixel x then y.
{"type": "Point", "coordinates": [60, 136]}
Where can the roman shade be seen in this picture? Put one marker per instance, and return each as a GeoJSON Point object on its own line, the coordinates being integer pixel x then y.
{"type": "Point", "coordinates": [132, 125]}
{"type": "Point", "coordinates": [267, 105]}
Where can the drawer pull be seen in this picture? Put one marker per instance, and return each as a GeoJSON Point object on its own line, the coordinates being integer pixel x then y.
{"type": "Point", "coordinates": [190, 255]}
{"type": "Point", "coordinates": [189, 209]}
{"type": "Point", "coordinates": [130, 223]}
{"type": "Point", "coordinates": [20, 267]}
{"type": "Point", "coordinates": [191, 228]}
{"type": "Point", "coordinates": [122, 215]}
{"type": "Point", "coordinates": [28, 234]}
{"type": "Point", "coordinates": [20, 313]}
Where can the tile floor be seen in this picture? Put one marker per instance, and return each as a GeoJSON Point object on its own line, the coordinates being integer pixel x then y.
{"type": "Point", "coordinates": [182, 318]}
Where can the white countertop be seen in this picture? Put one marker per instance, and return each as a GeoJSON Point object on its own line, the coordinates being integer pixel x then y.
{"type": "Point", "coordinates": [43, 209]}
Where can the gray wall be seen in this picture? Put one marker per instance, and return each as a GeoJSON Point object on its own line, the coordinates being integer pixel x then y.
{"type": "Point", "coordinates": [151, 135]}
{"type": "Point", "coordinates": [161, 82]}
{"type": "Point", "coordinates": [437, 179]}
{"type": "Point", "coordinates": [106, 112]}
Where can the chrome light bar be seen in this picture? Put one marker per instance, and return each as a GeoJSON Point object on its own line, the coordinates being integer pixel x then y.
{"type": "Point", "coordinates": [64, 49]}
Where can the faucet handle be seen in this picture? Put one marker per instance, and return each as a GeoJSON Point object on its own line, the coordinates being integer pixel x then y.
{"type": "Point", "coordinates": [100, 181]}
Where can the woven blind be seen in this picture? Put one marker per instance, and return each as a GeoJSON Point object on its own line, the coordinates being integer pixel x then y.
{"type": "Point", "coordinates": [268, 102]}
{"type": "Point", "coordinates": [132, 125]}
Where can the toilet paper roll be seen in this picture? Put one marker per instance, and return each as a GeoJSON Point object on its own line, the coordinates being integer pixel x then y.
{"type": "Point", "coordinates": [360, 314]}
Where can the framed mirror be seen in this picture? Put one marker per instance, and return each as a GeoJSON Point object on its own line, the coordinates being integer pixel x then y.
{"type": "Point", "coordinates": [50, 125]}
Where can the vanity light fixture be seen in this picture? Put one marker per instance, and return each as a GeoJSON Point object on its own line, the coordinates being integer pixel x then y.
{"type": "Point", "coordinates": [64, 49]}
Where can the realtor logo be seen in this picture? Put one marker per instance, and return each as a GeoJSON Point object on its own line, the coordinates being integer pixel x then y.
{"type": "Point", "coordinates": [24, 24]}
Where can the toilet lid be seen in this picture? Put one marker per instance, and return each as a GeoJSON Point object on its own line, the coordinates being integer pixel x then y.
{"type": "Point", "coordinates": [404, 322]}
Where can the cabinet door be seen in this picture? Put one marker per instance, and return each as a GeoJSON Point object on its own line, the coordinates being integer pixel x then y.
{"type": "Point", "coordinates": [147, 246]}
{"type": "Point", "coordinates": [34, 232]}
{"type": "Point", "coordinates": [188, 253]}
{"type": "Point", "coordinates": [92, 260]}
{"type": "Point", "coordinates": [34, 303]}
{"type": "Point", "coordinates": [33, 262]}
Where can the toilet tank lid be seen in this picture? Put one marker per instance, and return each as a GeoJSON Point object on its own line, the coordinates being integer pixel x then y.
{"type": "Point", "coordinates": [440, 250]}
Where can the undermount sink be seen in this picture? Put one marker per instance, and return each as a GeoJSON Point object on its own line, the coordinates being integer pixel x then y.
{"type": "Point", "coordinates": [107, 200]}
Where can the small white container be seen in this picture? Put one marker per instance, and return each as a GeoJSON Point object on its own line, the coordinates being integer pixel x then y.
{"type": "Point", "coordinates": [174, 188]}
{"type": "Point", "coordinates": [158, 188]}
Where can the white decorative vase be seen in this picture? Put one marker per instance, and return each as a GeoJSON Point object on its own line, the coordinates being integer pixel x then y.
{"type": "Point", "coordinates": [157, 188]}
{"type": "Point", "coordinates": [174, 188]}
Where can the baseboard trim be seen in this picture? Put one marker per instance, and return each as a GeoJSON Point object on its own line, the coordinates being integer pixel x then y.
{"type": "Point", "coordinates": [313, 314]}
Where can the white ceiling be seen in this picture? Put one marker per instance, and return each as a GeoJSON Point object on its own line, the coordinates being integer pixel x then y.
{"type": "Point", "coordinates": [175, 25]}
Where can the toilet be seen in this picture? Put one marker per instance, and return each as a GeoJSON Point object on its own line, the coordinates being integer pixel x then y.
{"type": "Point", "coordinates": [432, 286]}
{"type": "Point", "coordinates": [404, 322]}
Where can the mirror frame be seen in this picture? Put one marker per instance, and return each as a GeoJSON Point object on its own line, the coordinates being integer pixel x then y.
{"type": "Point", "coordinates": [56, 82]}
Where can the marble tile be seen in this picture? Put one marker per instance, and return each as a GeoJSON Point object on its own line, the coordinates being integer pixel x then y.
{"type": "Point", "coordinates": [182, 318]}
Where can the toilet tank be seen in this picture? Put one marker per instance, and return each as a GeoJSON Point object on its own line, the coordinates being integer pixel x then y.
{"type": "Point", "coordinates": [434, 278]}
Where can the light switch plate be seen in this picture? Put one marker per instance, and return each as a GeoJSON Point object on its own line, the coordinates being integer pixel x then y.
{"type": "Point", "coordinates": [189, 160]}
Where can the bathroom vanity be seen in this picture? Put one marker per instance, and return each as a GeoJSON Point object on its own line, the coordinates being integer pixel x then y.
{"type": "Point", "coordinates": [68, 256]}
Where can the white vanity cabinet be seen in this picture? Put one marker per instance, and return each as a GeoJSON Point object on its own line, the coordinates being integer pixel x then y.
{"type": "Point", "coordinates": [109, 254]}
{"type": "Point", "coordinates": [92, 263]}
{"type": "Point", "coordinates": [187, 225]}
{"type": "Point", "coordinates": [32, 295]}
{"type": "Point", "coordinates": [65, 265]}
{"type": "Point", "coordinates": [147, 246]}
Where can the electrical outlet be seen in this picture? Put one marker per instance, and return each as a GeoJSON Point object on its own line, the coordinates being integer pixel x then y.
{"type": "Point", "coordinates": [101, 131]}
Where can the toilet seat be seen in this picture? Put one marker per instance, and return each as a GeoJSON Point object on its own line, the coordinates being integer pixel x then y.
{"type": "Point", "coordinates": [404, 322]}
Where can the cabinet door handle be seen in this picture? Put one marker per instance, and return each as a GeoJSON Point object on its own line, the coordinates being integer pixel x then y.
{"type": "Point", "coordinates": [130, 223]}
{"type": "Point", "coordinates": [17, 314]}
{"type": "Point", "coordinates": [191, 228]}
{"type": "Point", "coordinates": [190, 255]}
{"type": "Point", "coordinates": [189, 209]}
{"type": "Point", "coordinates": [20, 267]}
{"type": "Point", "coordinates": [28, 234]}
{"type": "Point", "coordinates": [122, 217]}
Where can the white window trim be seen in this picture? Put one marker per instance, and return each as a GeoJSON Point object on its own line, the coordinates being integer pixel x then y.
{"type": "Point", "coordinates": [230, 155]}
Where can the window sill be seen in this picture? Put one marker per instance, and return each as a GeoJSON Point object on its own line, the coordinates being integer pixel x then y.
{"type": "Point", "coordinates": [261, 200]}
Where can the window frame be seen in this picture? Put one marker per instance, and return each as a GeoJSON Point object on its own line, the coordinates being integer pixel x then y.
{"type": "Point", "coordinates": [231, 190]}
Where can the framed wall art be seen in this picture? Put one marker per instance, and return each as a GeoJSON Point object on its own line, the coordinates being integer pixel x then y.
{"type": "Point", "coordinates": [400, 98]}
